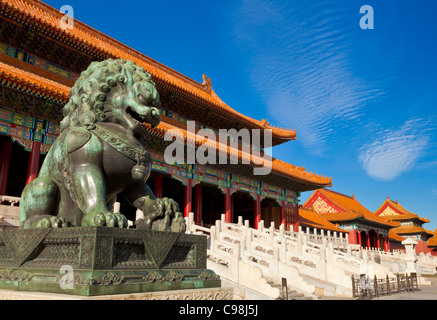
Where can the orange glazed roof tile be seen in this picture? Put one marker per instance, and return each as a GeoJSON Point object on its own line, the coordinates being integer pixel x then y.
{"type": "Point", "coordinates": [398, 212]}
{"type": "Point", "coordinates": [90, 40]}
{"type": "Point", "coordinates": [409, 229]}
{"type": "Point", "coordinates": [432, 242]}
{"type": "Point", "coordinates": [350, 207]}
{"type": "Point", "coordinates": [21, 79]}
{"type": "Point", "coordinates": [394, 236]}
{"type": "Point", "coordinates": [278, 166]}
{"type": "Point", "coordinates": [313, 219]}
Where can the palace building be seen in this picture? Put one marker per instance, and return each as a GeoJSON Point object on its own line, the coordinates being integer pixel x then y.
{"type": "Point", "coordinates": [347, 213]}
{"type": "Point", "coordinates": [410, 224]}
{"type": "Point", "coordinates": [39, 63]}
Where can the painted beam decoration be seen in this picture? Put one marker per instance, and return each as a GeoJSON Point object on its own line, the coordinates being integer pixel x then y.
{"type": "Point", "coordinates": [37, 61]}
{"type": "Point", "coordinates": [222, 179]}
{"type": "Point", "coordinates": [25, 129]}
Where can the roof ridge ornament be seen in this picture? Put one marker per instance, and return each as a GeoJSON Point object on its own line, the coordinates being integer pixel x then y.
{"type": "Point", "coordinates": [207, 83]}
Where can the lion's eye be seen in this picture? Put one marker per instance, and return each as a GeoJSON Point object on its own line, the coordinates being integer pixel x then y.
{"type": "Point", "coordinates": [142, 99]}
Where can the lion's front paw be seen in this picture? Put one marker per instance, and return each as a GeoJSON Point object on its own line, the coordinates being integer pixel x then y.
{"type": "Point", "coordinates": [51, 222]}
{"type": "Point", "coordinates": [159, 215]}
{"type": "Point", "coordinates": [178, 223]}
{"type": "Point", "coordinates": [105, 218]}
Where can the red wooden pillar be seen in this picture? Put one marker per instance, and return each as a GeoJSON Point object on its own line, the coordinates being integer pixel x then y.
{"type": "Point", "coordinates": [228, 217]}
{"type": "Point", "coordinates": [257, 210]}
{"type": "Point", "coordinates": [283, 221]}
{"type": "Point", "coordinates": [33, 167]}
{"type": "Point", "coordinates": [353, 237]}
{"type": "Point", "coordinates": [232, 207]}
{"type": "Point", "coordinates": [5, 162]}
{"type": "Point", "coordinates": [198, 204]}
{"type": "Point", "coordinates": [296, 217]}
{"type": "Point", "coordinates": [188, 197]}
{"type": "Point", "coordinates": [159, 184]}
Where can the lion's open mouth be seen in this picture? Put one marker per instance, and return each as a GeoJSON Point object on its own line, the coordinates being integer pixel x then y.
{"type": "Point", "coordinates": [135, 115]}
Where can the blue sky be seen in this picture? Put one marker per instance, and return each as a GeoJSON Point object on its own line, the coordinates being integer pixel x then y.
{"type": "Point", "coordinates": [363, 102]}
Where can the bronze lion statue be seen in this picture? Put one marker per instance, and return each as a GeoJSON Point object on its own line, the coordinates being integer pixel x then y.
{"type": "Point", "coordinates": [100, 154]}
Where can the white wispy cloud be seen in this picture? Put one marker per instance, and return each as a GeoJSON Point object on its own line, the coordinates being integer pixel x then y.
{"type": "Point", "coordinates": [395, 151]}
{"type": "Point", "coordinates": [300, 66]}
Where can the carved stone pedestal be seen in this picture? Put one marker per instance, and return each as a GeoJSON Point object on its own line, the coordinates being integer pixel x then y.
{"type": "Point", "coordinates": [92, 261]}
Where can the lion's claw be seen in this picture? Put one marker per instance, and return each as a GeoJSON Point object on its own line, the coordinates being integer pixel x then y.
{"type": "Point", "coordinates": [108, 219]}
{"type": "Point", "coordinates": [51, 222]}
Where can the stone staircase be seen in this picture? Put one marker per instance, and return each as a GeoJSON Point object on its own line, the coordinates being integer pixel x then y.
{"type": "Point", "coordinates": [315, 265]}
{"type": "Point", "coordinates": [292, 293]}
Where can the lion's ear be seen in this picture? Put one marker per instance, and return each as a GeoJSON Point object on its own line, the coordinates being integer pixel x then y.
{"type": "Point", "coordinates": [128, 80]}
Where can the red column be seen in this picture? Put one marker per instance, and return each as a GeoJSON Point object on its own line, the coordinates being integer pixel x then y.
{"type": "Point", "coordinates": [198, 204]}
{"type": "Point", "coordinates": [296, 215]}
{"type": "Point", "coordinates": [353, 237]}
{"type": "Point", "coordinates": [33, 167]}
{"type": "Point", "coordinates": [188, 197]}
{"type": "Point", "coordinates": [232, 207]}
{"type": "Point", "coordinates": [228, 205]}
{"type": "Point", "coordinates": [283, 221]}
{"type": "Point", "coordinates": [257, 210]}
{"type": "Point", "coordinates": [159, 184]}
{"type": "Point", "coordinates": [5, 162]}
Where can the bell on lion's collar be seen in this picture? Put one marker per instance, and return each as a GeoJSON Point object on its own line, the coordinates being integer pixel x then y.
{"type": "Point", "coordinates": [139, 172]}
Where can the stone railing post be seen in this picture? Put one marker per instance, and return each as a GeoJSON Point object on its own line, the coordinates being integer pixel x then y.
{"type": "Point", "coordinates": [249, 241]}
{"type": "Point", "coordinates": [272, 234]}
{"type": "Point", "coordinates": [283, 254]}
{"type": "Point", "coordinates": [292, 231]}
{"type": "Point", "coordinates": [299, 243]}
{"type": "Point", "coordinates": [323, 257]}
{"type": "Point", "coordinates": [240, 220]}
{"type": "Point", "coordinates": [261, 225]}
{"type": "Point", "coordinates": [235, 261]}
{"type": "Point", "coordinates": [212, 238]}
{"type": "Point", "coordinates": [283, 243]}
{"type": "Point", "coordinates": [218, 228]}
{"type": "Point", "coordinates": [275, 264]}
{"type": "Point", "coordinates": [116, 207]}
{"type": "Point", "coordinates": [191, 226]}
{"type": "Point", "coordinates": [281, 231]}
{"type": "Point", "coordinates": [243, 247]}
{"type": "Point", "coordinates": [223, 221]}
